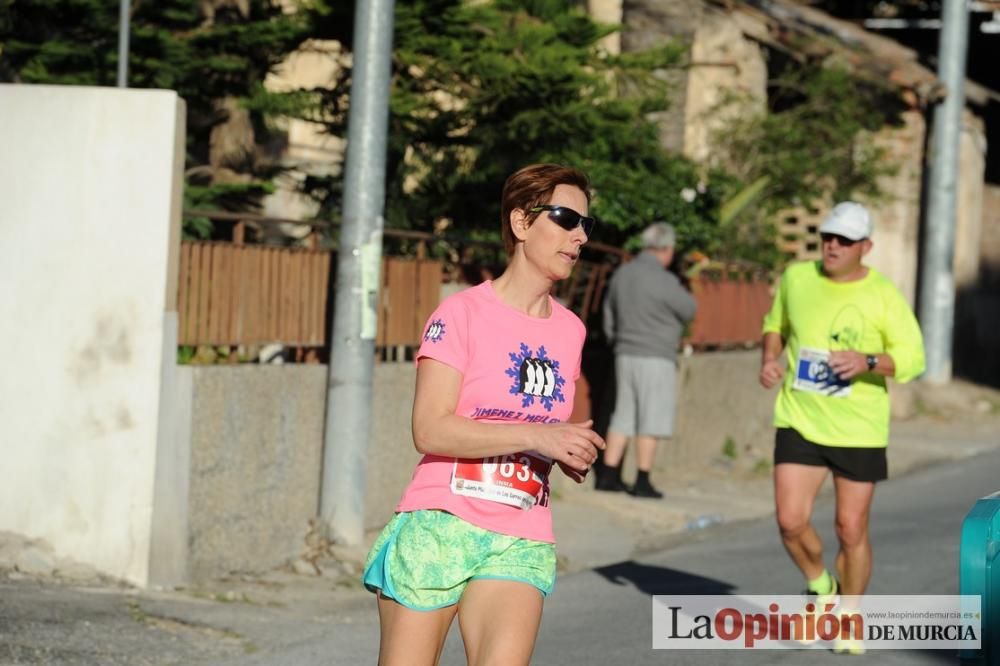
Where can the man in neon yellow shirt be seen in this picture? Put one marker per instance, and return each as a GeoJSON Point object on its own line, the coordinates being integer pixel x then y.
{"type": "Point", "coordinates": [845, 328]}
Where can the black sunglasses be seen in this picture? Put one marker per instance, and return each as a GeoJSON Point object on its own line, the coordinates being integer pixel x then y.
{"type": "Point", "coordinates": [567, 218]}
{"type": "Point", "coordinates": [842, 241]}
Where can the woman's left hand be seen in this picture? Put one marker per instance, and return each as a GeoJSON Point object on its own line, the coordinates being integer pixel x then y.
{"type": "Point", "coordinates": [574, 474]}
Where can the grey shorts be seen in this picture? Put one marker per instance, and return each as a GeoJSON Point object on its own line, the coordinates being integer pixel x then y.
{"type": "Point", "coordinates": [646, 396]}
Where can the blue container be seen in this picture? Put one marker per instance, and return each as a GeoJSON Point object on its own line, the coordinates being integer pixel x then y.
{"type": "Point", "coordinates": [979, 573]}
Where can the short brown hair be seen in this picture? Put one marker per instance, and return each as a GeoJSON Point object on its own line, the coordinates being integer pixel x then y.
{"type": "Point", "coordinates": [533, 186]}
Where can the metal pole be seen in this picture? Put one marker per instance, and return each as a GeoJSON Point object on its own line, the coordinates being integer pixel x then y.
{"type": "Point", "coordinates": [937, 288]}
{"type": "Point", "coordinates": [124, 18]}
{"type": "Point", "coordinates": [349, 390]}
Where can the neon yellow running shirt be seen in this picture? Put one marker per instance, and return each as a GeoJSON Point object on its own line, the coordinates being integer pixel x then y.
{"type": "Point", "coordinates": [815, 316]}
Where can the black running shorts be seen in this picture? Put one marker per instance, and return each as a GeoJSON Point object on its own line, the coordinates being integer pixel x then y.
{"type": "Point", "coordinates": [855, 463]}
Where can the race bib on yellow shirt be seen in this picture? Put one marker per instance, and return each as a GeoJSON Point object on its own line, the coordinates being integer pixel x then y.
{"type": "Point", "coordinates": [814, 375]}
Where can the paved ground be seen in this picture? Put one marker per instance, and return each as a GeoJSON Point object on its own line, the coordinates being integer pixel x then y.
{"type": "Point", "coordinates": [60, 613]}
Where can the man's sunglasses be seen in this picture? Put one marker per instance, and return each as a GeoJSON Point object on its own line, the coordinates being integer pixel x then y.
{"type": "Point", "coordinates": [567, 218]}
{"type": "Point", "coordinates": [842, 241]}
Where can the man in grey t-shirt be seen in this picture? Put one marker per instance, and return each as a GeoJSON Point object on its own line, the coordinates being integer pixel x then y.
{"type": "Point", "coordinates": [644, 315]}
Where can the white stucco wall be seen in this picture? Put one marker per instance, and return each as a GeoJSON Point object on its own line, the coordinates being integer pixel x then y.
{"type": "Point", "coordinates": [89, 221]}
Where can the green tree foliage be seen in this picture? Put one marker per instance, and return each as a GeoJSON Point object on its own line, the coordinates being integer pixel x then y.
{"type": "Point", "coordinates": [214, 54]}
{"type": "Point", "coordinates": [483, 88]}
{"type": "Point", "coordinates": [812, 146]}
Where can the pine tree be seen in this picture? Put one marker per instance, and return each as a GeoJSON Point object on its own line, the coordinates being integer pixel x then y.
{"type": "Point", "coordinates": [214, 53]}
{"type": "Point", "coordinates": [483, 88]}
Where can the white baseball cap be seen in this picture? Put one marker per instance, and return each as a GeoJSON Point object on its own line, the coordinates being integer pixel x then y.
{"type": "Point", "coordinates": [848, 219]}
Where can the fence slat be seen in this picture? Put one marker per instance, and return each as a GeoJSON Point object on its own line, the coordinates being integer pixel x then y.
{"type": "Point", "coordinates": [274, 296]}
{"type": "Point", "coordinates": [194, 289]}
{"type": "Point", "coordinates": [305, 313]}
{"type": "Point", "coordinates": [297, 294]}
{"type": "Point", "coordinates": [287, 299]}
{"type": "Point", "coordinates": [226, 336]}
{"type": "Point", "coordinates": [404, 302]}
{"type": "Point", "coordinates": [243, 289]}
{"type": "Point", "coordinates": [183, 294]}
{"type": "Point", "coordinates": [219, 270]}
{"type": "Point", "coordinates": [261, 300]}
{"type": "Point", "coordinates": [204, 304]}
{"type": "Point", "coordinates": [730, 311]}
{"type": "Point", "coordinates": [428, 296]}
{"type": "Point", "coordinates": [325, 280]}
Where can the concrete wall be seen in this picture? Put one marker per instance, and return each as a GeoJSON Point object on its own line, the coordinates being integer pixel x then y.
{"type": "Point", "coordinates": [392, 456]}
{"type": "Point", "coordinates": [256, 448]}
{"type": "Point", "coordinates": [719, 398]}
{"type": "Point", "coordinates": [90, 185]}
{"type": "Point", "coordinates": [256, 442]}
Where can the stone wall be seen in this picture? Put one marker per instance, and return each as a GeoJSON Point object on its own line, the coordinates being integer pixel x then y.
{"type": "Point", "coordinates": [969, 195]}
{"type": "Point", "coordinates": [719, 399]}
{"type": "Point", "coordinates": [650, 23]}
{"type": "Point", "coordinates": [256, 456]}
{"type": "Point", "coordinates": [896, 240]}
{"type": "Point", "coordinates": [392, 457]}
{"type": "Point", "coordinates": [724, 64]}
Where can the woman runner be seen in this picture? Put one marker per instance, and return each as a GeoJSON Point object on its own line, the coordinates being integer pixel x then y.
{"type": "Point", "coordinates": [472, 535]}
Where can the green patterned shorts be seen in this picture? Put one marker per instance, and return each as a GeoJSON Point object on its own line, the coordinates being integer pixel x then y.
{"type": "Point", "coordinates": [424, 559]}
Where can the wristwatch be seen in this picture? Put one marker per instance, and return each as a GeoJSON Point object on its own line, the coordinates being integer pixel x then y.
{"type": "Point", "coordinates": [872, 361]}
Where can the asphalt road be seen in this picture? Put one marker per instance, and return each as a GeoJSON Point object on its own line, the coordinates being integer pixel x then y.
{"type": "Point", "coordinates": [601, 616]}
{"type": "Point", "coordinates": [604, 616]}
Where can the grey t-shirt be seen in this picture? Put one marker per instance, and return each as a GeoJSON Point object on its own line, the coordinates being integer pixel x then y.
{"type": "Point", "coordinates": [646, 308]}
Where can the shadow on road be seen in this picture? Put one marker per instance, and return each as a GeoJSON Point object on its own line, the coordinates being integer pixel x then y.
{"type": "Point", "coordinates": [662, 580]}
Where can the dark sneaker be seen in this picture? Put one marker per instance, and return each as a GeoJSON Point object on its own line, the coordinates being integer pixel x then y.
{"type": "Point", "coordinates": [610, 483]}
{"type": "Point", "coordinates": [645, 490]}
{"type": "Point", "coordinates": [609, 479]}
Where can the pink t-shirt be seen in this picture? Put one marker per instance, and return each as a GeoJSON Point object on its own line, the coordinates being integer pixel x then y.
{"type": "Point", "coordinates": [515, 369]}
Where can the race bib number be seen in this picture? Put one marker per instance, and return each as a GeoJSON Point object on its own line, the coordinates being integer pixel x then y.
{"type": "Point", "coordinates": [814, 375]}
{"type": "Point", "coordinates": [517, 479]}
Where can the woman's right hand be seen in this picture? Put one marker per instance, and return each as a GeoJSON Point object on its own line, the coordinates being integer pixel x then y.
{"type": "Point", "coordinates": [573, 444]}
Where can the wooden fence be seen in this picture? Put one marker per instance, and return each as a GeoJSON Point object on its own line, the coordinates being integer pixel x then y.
{"type": "Point", "coordinates": [235, 294]}
{"type": "Point", "coordinates": [231, 294]}
{"type": "Point", "coordinates": [730, 311]}
{"type": "Point", "coordinates": [410, 290]}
